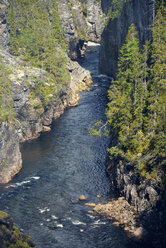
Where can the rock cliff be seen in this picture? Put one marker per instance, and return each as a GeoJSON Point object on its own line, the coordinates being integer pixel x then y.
{"type": "Point", "coordinates": [145, 195]}
{"type": "Point", "coordinates": [10, 156]}
{"type": "Point", "coordinates": [139, 12]}
{"type": "Point", "coordinates": [31, 117]}
{"type": "Point", "coordinates": [80, 22]}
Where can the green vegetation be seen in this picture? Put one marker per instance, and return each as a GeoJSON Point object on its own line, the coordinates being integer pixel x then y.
{"type": "Point", "coordinates": [114, 11]}
{"type": "Point", "coordinates": [10, 235]}
{"type": "Point", "coordinates": [6, 101]}
{"type": "Point", "coordinates": [137, 108]}
{"type": "Point", "coordinates": [37, 37]}
{"type": "Point", "coordinates": [117, 6]}
{"type": "Point", "coordinates": [81, 30]}
{"type": "Point", "coordinates": [99, 129]}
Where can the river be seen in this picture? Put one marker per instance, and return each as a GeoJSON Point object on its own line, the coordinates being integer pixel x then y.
{"type": "Point", "coordinates": [60, 166]}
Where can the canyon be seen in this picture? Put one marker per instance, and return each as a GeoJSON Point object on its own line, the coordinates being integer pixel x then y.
{"type": "Point", "coordinates": [82, 23]}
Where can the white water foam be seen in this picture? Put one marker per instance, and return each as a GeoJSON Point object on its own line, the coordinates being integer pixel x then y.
{"type": "Point", "coordinates": [54, 217]}
{"type": "Point", "coordinates": [17, 184]}
{"type": "Point", "coordinates": [77, 222]}
{"type": "Point", "coordinates": [43, 210]}
{"type": "Point", "coordinates": [35, 178]}
{"type": "Point", "coordinates": [22, 183]}
{"type": "Point", "coordinates": [91, 216]}
{"type": "Point", "coordinates": [93, 44]}
{"type": "Point", "coordinates": [59, 225]}
{"type": "Point", "coordinates": [98, 222]}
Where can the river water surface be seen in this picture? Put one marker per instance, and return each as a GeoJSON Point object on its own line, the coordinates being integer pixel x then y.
{"type": "Point", "coordinates": [58, 168]}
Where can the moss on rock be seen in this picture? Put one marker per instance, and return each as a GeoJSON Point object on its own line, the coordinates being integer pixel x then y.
{"type": "Point", "coordinates": [10, 235]}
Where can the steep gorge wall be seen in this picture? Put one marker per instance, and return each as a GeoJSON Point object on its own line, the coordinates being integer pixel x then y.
{"type": "Point", "coordinates": [31, 117]}
{"type": "Point", "coordinates": [81, 21]}
{"type": "Point", "coordinates": [138, 192]}
{"type": "Point", "coordinates": [139, 12]}
{"type": "Point", "coordinates": [146, 195]}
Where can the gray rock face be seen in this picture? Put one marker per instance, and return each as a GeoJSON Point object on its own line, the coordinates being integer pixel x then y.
{"type": "Point", "coordinates": [10, 156]}
{"type": "Point", "coordinates": [81, 22]}
{"type": "Point", "coordinates": [94, 20]}
{"type": "Point", "coordinates": [139, 12]}
{"type": "Point", "coordinates": [3, 26]}
{"type": "Point", "coordinates": [30, 121]}
{"type": "Point", "coordinates": [69, 15]}
{"type": "Point", "coordinates": [143, 194]}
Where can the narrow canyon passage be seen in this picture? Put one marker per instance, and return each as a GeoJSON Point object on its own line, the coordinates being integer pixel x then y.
{"type": "Point", "coordinates": [58, 168]}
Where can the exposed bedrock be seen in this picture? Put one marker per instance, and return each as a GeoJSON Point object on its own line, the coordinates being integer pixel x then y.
{"type": "Point", "coordinates": [139, 12]}
{"type": "Point", "coordinates": [81, 21]}
{"type": "Point", "coordinates": [145, 195]}
{"type": "Point", "coordinates": [31, 117]}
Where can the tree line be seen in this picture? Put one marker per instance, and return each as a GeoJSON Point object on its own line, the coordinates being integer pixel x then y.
{"type": "Point", "coordinates": [36, 36]}
{"type": "Point", "coordinates": [136, 110]}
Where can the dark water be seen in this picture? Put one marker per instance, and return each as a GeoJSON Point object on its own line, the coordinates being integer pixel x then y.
{"type": "Point", "coordinates": [60, 166]}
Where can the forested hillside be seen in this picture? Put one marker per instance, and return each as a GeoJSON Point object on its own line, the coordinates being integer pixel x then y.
{"type": "Point", "coordinates": [37, 36]}
{"type": "Point", "coordinates": [137, 108]}
{"type": "Point", "coordinates": [38, 79]}
{"type": "Point", "coordinates": [6, 101]}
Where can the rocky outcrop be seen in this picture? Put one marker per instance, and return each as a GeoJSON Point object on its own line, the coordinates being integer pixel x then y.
{"type": "Point", "coordinates": [138, 191]}
{"type": "Point", "coordinates": [10, 156]}
{"type": "Point", "coordinates": [145, 196]}
{"type": "Point", "coordinates": [32, 117]}
{"type": "Point", "coordinates": [94, 20]}
{"type": "Point", "coordinates": [81, 21]}
{"type": "Point", "coordinates": [31, 120]}
{"type": "Point", "coordinates": [10, 235]}
{"type": "Point", "coordinates": [123, 215]}
{"type": "Point", "coordinates": [139, 12]}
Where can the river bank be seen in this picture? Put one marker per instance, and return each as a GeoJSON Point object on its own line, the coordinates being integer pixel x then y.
{"type": "Point", "coordinates": [38, 95]}
{"type": "Point", "coordinates": [60, 166]}
{"type": "Point", "coordinates": [31, 121]}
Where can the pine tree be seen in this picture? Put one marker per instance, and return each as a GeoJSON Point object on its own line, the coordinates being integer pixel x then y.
{"type": "Point", "coordinates": [157, 90]}
{"type": "Point", "coordinates": [36, 36]}
{"type": "Point", "coordinates": [137, 107]}
{"type": "Point", "coordinates": [126, 104]}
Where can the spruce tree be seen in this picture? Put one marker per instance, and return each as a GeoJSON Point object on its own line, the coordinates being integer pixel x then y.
{"type": "Point", "coordinates": [137, 107]}
{"type": "Point", "coordinates": [124, 111]}
{"type": "Point", "coordinates": [37, 37]}
{"type": "Point", "coordinates": [157, 90]}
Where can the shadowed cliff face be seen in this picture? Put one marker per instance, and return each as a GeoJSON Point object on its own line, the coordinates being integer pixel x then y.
{"type": "Point", "coordinates": [145, 195]}
{"type": "Point", "coordinates": [139, 12]}
{"type": "Point", "coordinates": [10, 156]}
